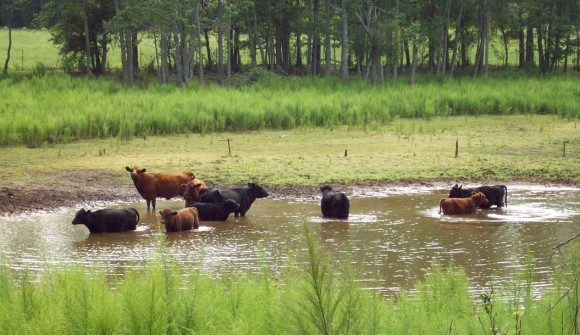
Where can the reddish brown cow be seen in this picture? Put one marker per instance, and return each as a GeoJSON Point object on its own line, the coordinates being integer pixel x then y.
{"type": "Point", "coordinates": [462, 205]}
{"type": "Point", "coordinates": [191, 190]}
{"type": "Point", "coordinates": [158, 185]}
{"type": "Point", "coordinates": [184, 219]}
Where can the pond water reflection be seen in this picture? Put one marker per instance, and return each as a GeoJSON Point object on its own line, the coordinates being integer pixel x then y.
{"type": "Point", "coordinates": [393, 236]}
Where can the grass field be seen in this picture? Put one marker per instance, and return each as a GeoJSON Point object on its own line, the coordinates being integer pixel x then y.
{"type": "Point", "coordinates": [495, 148]}
{"type": "Point", "coordinates": [59, 108]}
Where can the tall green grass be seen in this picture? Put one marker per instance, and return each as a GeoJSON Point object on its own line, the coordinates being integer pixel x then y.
{"type": "Point", "coordinates": [313, 296]}
{"type": "Point", "coordinates": [59, 108]}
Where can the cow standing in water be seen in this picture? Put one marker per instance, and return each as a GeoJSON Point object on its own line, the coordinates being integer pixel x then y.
{"type": "Point", "coordinates": [152, 185]}
{"type": "Point", "coordinates": [334, 204]}
{"type": "Point", "coordinates": [496, 194]}
{"type": "Point", "coordinates": [462, 205]}
{"type": "Point", "coordinates": [107, 220]}
{"type": "Point", "coordinates": [184, 219]}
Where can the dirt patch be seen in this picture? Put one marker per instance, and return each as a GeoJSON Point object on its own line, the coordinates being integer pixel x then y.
{"type": "Point", "coordinates": [70, 188]}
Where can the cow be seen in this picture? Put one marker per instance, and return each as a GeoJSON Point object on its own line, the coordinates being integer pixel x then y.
{"type": "Point", "coordinates": [214, 211]}
{"type": "Point", "coordinates": [245, 196]}
{"type": "Point", "coordinates": [107, 220]}
{"type": "Point", "coordinates": [158, 185]}
{"type": "Point", "coordinates": [193, 192]}
{"type": "Point", "coordinates": [462, 205]}
{"type": "Point", "coordinates": [334, 204]}
{"type": "Point", "coordinates": [496, 194]}
{"type": "Point", "coordinates": [184, 219]}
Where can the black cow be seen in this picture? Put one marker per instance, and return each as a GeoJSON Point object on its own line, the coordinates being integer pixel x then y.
{"type": "Point", "coordinates": [215, 212]}
{"type": "Point", "coordinates": [496, 194]}
{"type": "Point", "coordinates": [108, 220]}
{"type": "Point", "coordinates": [245, 196]}
{"type": "Point", "coordinates": [334, 204]}
{"type": "Point", "coordinates": [211, 195]}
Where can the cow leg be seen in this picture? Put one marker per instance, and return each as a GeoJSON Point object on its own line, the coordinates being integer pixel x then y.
{"type": "Point", "coordinates": [148, 204]}
{"type": "Point", "coordinates": [153, 203]}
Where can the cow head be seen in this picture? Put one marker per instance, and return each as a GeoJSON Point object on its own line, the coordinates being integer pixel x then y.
{"type": "Point", "coordinates": [325, 189]}
{"type": "Point", "coordinates": [456, 192]}
{"type": "Point", "coordinates": [166, 215]}
{"type": "Point", "coordinates": [191, 191]}
{"type": "Point", "coordinates": [258, 190]}
{"type": "Point", "coordinates": [81, 216]}
{"type": "Point", "coordinates": [479, 198]}
{"type": "Point", "coordinates": [135, 171]}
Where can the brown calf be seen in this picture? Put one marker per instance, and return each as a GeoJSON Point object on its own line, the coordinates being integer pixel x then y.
{"type": "Point", "coordinates": [462, 205]}
{"type": "Point", "coordinates": [184, 219]}
{"type": "Point", "coordinates": [191, 190]}
{"type": "Point", "coordinates": [158, 185]}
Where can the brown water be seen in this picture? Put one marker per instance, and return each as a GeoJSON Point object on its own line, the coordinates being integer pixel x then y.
{"type": "Point", "coordinates": [394, 236]}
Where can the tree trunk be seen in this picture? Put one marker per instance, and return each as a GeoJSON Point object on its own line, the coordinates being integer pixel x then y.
{"type": "Point", "coordinates": [316, 47]}
{"type": "Point", "coordinates": [220, 70]}
{"type": "Point", "coordinates": [344, 43]}
{"type": "Point", "coordinates": [413, 65]}
{"type": "Point", "coordinates": [456, 44]}
{"type": "Point", "coordinates": [486, 22]}
{"type": "Point", "coordinates": [252, 36]}
{"type": "Point", "coordinates": [327, 41]}
{"type": "Point", "coordinates": [10, 16]}
{"type": "Point", "coordinates": [87, 41]}
{"type": "Point", "coordinates": [530, 45]}
{"type": "Point", "coordinates": [540, 50]}
{"type": "Point", "coordinates": [229, 49]}
{"type": "Point", "coordinates": [522, 45]}
{"type": "Point", "coordinates": [199, 48]}
{"type": "Point", "coordinates": [207, 47]}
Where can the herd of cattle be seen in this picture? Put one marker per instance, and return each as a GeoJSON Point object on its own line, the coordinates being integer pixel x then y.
{"type": "Point", "coordinates": [205, 203]}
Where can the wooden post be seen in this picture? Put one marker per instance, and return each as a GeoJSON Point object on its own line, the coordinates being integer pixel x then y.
{"type": "Point", "coordinates": [229, 148]}
{"type": "Point", "coordinates": [456, 148]}
{"type": "Point", "coordinates": [564, 149]}
{"type": "Point", "coordinates": [345, 153]}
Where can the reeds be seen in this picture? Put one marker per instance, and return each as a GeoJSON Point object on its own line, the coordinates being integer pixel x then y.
{"type": "Point", "coordinates": [315, 295]}
{"type": "Point", "coordinates": [59, 108]}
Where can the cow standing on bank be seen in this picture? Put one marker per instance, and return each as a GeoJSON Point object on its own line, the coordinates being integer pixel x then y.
{"type": "Point", "coordinates": [334, 204]}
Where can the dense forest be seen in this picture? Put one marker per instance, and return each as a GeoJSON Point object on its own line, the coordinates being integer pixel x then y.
{"type": "Point", "coordinates": [375, 39]}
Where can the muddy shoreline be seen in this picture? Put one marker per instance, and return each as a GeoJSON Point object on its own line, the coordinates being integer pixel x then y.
{"type": "Point", "coordinates": [71, 188]}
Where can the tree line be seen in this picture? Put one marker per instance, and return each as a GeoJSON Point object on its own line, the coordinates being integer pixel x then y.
{"type": "Point", "coordinates": [376, 39]}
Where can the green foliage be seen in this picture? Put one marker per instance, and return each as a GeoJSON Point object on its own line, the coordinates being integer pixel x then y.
{"type": "Point", "coordinates": [314, 295]}
{"type": "Point", "coordinates": [56, 108]}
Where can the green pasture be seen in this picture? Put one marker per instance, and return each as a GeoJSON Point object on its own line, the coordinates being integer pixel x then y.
{"type": "Point", "coordinates": [313, 295]}
{"type": "Point", "coordinates": [491, 148]}
{"type": "Point", "coordinates": [57, 108]}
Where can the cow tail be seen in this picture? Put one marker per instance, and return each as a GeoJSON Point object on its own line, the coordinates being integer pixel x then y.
{"type": "Point", "coordinates": [440, 203]}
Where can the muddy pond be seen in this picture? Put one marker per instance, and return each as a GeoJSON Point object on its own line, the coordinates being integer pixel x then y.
{"type": "Point", "coordinates": [393, 236]}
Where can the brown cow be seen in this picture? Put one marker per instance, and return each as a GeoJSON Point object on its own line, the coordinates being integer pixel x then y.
{"type": "Point", "coordinates": [191, 190]}
{"type": "Point", "coordinates": [184, 219]}
{"type": "Point", "coordinates": [462, 205]}
{"type": "Point", "coordinates": [158, 185]}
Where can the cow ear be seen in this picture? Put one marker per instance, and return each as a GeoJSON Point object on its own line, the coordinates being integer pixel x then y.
{"type": "Point", "coordinates": [173, 213]}
{"type": "Point", "coordinates": [161, 213]}
{"type": "Point", "coordinates": [89, 211]}
{"type": "Point", "coordinates": [251, 185]}
{"type": "Point", "coordinates": [142, 171]}
{"type": "Point", "coordinates": [460, 186]}
{"type": "Point", "coordinates": [128, 169]}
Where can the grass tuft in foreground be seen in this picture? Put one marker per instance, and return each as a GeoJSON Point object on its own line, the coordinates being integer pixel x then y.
{"type": "Point", "coordinates": [314, 296]}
